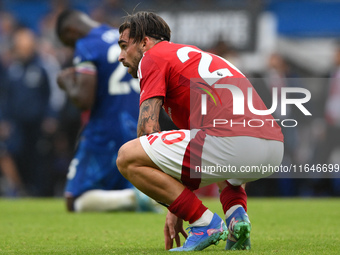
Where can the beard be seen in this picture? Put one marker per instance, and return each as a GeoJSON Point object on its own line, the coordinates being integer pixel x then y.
{"type": "Point", "coordinates": [135, 62]}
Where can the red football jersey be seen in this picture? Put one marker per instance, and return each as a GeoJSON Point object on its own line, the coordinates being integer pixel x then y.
{"type": "Point", "coordinates": [204, 91]}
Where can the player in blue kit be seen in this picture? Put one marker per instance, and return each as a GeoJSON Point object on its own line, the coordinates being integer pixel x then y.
{"type": "Point", "coordinates": [100, 83]}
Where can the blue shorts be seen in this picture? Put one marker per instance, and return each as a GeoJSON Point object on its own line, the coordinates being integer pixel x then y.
{"type": "Point", "coordinates": [94, 169]}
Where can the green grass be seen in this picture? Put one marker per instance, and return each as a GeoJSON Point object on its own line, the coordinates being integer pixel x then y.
{"type": "Point", "coordinates": [279, 226]}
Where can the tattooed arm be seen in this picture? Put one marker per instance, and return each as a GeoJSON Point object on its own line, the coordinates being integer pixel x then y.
{"type": "Point", "coordinates": [148, 121]}
{"type": "Point", "coordinates": [153, 118]}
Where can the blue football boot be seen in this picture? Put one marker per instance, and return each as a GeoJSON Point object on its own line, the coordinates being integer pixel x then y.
{"type": "Point", "coordinates": [201, 237]}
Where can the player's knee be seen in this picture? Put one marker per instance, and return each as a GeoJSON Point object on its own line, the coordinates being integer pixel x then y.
{"type": "Point", "coordinates": [125, 158]}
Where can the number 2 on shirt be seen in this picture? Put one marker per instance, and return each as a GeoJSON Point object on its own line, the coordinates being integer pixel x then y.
{"type": "Point", "coordinates": [204, 65]}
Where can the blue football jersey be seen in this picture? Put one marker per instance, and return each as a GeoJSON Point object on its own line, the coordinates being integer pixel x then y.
{"type": "Point", "coordinates": [114, 115]}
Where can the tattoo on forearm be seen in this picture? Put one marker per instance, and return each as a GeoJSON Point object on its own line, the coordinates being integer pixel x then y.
{"type": "Point", "coordinates": [148, 121]}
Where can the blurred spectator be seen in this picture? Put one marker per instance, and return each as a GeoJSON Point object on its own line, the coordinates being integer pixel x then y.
{"type": "Point", "coordinates": [48, 54]}
{"type": "Point", "coordinates": [332, 111]}
{"type": "Point", "coordinates": [331, 140]}
{"type": "Point", "coordinates": [47, 24]}
{"type": "Point", "coordinates": [7, 27]}
{"type": "Point", "coordinates": [223, 49]}
{"type": "Point", "coordinates": [279, 75]}
{"type": "Point", "coordinates": [10, 184]}
{"type": "Point", "coordinates": [109, 12]}
{"type": "Point", "coordinates": [28, 112]}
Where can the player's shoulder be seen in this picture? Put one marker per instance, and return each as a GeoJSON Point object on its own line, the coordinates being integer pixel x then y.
{"type": "Point", "coordinates": [97, 42]}
{"type": "Point", "coordinates": [162, 54]}
{"type": "Point", "coordinates": [108, 34]}
{"type": "Point", "coordinates": [101, 34]}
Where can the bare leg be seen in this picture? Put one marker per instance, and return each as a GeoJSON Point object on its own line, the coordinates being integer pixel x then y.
{"type": "Point", "coordinates": [9, 170]}
{"type": "Point", "coordinates": [224, 184]}
{"type": "Point", "coordinates": [136, 166]}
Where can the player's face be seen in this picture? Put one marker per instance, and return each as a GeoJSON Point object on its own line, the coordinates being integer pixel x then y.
{"type": "Point", "coordinates": [67, 42]}
{"type": "Point", "coordinates": [68, 38]}
{"type": "Point", "coordinates": [131, 53]}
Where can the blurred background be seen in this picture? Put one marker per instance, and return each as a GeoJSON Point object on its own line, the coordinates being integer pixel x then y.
{"type": "Point", "coordinates": [274, 43]}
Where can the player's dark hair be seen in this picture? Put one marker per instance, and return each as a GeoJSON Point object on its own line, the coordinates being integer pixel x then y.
{"type": "Point", "coordinates": [62, 18]}
{"type": "Point", "coordinates": [143, 24]}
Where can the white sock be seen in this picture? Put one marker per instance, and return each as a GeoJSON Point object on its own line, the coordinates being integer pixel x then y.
{"type": "Point", "coordinates": [231, 210]}
{"type": "Point", "coordinates": [204, 220]}
{"type": "Point", "coordinates": [106, 200]}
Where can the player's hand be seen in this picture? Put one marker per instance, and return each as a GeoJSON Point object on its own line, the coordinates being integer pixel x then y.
{"type": "Point", "coordinates": [173, 226]}
{"type": "Point", "coordinates": [66, 76]}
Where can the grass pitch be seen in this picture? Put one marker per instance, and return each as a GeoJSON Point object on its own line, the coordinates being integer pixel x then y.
{"type": "Point", "coordinates": [279, 226]}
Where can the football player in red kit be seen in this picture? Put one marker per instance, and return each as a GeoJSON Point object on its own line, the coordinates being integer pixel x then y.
{"type": "Point", "coordinates": [219, 134]}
